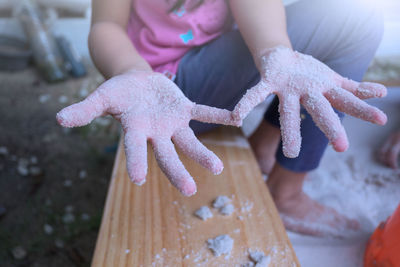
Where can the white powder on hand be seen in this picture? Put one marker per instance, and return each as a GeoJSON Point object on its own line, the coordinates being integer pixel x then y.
{"type": "Point", "coordinates": [221, 201]}
{"type": "Point", "coordinates": [227, 209]}
{"type": "Point", "coordinates": [222, 244]}
{"type": "Point", "coordinates": [203, 213]}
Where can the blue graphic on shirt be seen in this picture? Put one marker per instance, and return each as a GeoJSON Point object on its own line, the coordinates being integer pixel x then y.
{"type": "Point", "coordinates": [179, 12]}
{"type": "Point", "coordinates": [186, 37]}
{"type": "Point", "coordinates": [169, 75]}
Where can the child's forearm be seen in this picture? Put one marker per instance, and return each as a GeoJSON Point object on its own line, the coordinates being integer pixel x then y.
{"type": "Point", "coordinates": [112, 51]}
{"type": "Point", "coordinates": [262, 23]}
{"type": "Point", "coordinates": [110, 47]}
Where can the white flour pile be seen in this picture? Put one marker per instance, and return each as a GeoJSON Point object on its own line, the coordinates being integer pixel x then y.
{"type": "Point", "coordinates": [223, 204]}
{"type": "Point", "coordinates": [259, 258]}
{"type": "Point", "coordinates": [204, 213]}
{"type": "Point", "coordinates": [228, 209]}
{"type": "Point", "coordinates": [355, 185]}
{"type": "Point", "coordinates": [222, 244]}
{"type": "Point", "coordinates": [221, 201]}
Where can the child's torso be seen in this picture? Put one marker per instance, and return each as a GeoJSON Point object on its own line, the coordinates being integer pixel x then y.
{"type": "Point", "coordinates": [163, 37]}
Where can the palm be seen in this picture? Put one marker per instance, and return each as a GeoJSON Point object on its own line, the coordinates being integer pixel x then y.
{"type": "Point", "coordinates": [151, 107]}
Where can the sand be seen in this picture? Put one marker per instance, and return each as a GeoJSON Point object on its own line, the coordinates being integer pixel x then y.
{"type": "Point", "coordinates": [357, 186]}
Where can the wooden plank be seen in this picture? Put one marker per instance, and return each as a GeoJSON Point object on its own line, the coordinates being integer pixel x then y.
{"type": "Point", "coordinates": [387, 83]}
{"type": "Point", "coordinates": [154, 225]}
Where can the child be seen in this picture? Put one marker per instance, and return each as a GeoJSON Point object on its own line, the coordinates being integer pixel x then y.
{"type": "Point", "coordinates": [194, 44]}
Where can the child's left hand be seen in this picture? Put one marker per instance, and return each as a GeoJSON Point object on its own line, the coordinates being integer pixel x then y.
{"type": "Point", "coordinates": [297, 78]}
{"type": "Point", "coordinates": [390, 151]}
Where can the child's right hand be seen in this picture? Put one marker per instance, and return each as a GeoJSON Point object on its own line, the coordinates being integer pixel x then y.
{"type": "Point", "coordinates": [390, 151]}
{"type": "Point", "coordinates": [151, 107]}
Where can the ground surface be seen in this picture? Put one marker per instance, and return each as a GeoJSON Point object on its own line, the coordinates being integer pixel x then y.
{"type": "Point", "coordinates": [53, 214]}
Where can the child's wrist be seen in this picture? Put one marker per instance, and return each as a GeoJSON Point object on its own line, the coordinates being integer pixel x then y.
{"type": "Point", "coordinates": [262, 54]}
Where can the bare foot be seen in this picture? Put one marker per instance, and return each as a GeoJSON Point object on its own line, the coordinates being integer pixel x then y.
{"type": "Point", "coordinates": [264, 143]}
{"type": "Point", "coordinates": [302, 214]}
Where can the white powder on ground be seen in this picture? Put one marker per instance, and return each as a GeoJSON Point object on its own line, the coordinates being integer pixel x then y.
{"type": "Point", "coordinates": [222, 244]}
{"type": "Point", "coordinates": [204, 213]}
{"type": "Point", "coordinates": [221, 201]}
{"type": "Point", "coordinates": [355, 185]}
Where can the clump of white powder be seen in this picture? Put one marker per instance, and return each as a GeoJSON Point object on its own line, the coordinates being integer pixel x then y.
{"type": "Point", "coordinates": [227, 209]}
{"type": "Point", "coordinates": [264, 262]}
{"type": "Point", "coordinates": [256, 255]}
{"type": "Point", "coordinates": [259, 258]}
{"type": "Point", "coordinates": [203, 213]}
{"type": "Point", "coordinates": [222, 244]}
{"type": "Point", "coordinates": [222, 203]}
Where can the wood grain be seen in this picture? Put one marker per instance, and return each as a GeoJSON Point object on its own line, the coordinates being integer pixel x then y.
{"type": "Point", "coordinates": [154, 225]}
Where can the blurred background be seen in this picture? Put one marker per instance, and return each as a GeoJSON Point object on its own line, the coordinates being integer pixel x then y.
{"type": "Point", "coordinates": [53, 181]}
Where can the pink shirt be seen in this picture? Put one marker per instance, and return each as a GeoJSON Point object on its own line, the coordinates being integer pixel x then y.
{"type": "Point", "coordinates": [163, 37]}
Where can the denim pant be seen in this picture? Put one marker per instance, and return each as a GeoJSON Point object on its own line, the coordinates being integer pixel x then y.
{"type": "Point", "coordinates": [343, 34]}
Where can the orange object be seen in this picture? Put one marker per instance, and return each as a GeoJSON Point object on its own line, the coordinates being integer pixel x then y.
{"type": "Point", "coordinates": [383, 248]}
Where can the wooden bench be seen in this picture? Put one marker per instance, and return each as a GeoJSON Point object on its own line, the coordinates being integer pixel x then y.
{"type": "Point", "coordinates": [154, 225]}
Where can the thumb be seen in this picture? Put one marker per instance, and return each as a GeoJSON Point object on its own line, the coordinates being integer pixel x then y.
{"type": "Point", "coordinates": [252, 98]}
{"type": "Point", "coordinates": [211, 115]}
{"type": "Point", "coordinates": [82, 113]}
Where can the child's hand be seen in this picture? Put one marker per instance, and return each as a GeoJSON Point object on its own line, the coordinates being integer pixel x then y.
{"type": "Point", "coordinates": [151, 107]}
{"type": "Point", "coordinates": [296, 78]}
{"type": "Point", "coordinates": [390, 151]}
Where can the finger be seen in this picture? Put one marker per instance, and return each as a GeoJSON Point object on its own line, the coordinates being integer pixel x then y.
{"type": "Point", "coordinates": [289, 110]}
{"type": "Point", "coordinates": [136, 156]}
{"type": "Point", "coordinates": [173, 168]}
{"type": "Point", "coordinates": [252, 98]}
{"type": "Point", "coordinates": [84, 112]}
{"type": "Point", "coordinates": [348, 103]}
{"type": "Point", "coordinates": [211, 115]}
{"type": "Point", "coordinates": [327, 120]}
{"type": "Point", "coordinates": [364, 90]}
{"type": "Point", "coordinates": [191, 146]}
